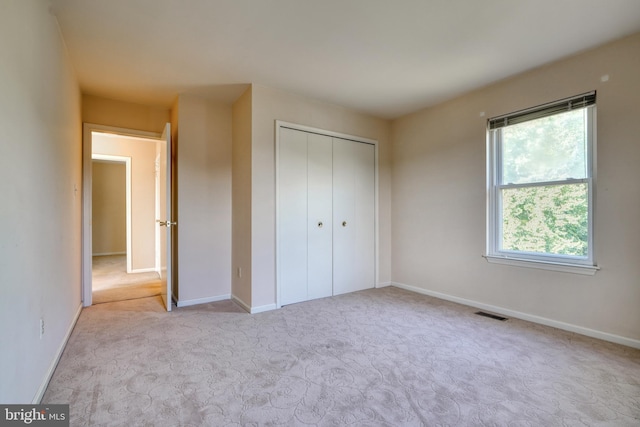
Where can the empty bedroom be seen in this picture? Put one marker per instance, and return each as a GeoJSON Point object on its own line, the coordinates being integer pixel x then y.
{"type": "Point", "coordinates": [354, 213]}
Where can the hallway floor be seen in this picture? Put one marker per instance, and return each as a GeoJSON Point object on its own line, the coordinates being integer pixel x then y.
{"type": "Point", "coordinates": [111, 282]}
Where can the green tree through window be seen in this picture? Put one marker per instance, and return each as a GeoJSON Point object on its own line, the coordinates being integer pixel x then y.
{"type": "Point", "coordinates": [541, 185]}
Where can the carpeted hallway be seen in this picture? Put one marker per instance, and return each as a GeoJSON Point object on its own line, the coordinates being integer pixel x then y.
{"type": "Point", "coordinates": [383, 357]}
{"type": "Point", "coordinates": [111, 282]}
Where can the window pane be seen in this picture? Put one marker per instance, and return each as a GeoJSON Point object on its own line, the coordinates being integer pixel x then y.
{"type": "Point", "coordinates": [547, 149]}
{"type": "Point", "coordinates": [547, 219]}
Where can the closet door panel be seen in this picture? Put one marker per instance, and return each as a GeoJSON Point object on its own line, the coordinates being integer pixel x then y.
{"type": "Point", "coordinates": [292, 214]}
{"type": "Point", "coordinates": [365, 244]}
{"type": "Point", "coordinates": [353, 216]}
{"type": "Point", "coordinates": [320, 221]}
{"type": "Point", "coordinates": [343, 214]}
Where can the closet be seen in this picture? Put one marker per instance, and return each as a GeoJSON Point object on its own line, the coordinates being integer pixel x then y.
{"type": "Point", "coordinates": [325, 215]}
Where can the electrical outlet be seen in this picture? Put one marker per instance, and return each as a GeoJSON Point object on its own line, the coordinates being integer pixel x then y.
{"type": "Point", "coordinates": [41, 327]}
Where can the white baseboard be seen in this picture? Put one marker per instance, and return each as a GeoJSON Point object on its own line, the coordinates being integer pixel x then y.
{"type": "Point", "coordinates": [143, 270]}
{"type": "Point", "coordinates": [186, 303]}
{"type": "Point", "coordinates": [263, 308]}
{"type": "Point", "coordinates": [109, 253]}
{"type": "Point", "coordinates": [54, 363]}
{"type": "Point", "coordinates": [605, 336]}
{"type": "Point", "coordinates": [253, 310]}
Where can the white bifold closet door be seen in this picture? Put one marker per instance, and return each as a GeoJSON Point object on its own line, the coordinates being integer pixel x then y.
{"type": "Point", "coordinates": [326, 216]}
{"type": "Point", "coordinates": [319, 221]}
{"type": "Point", "coordinates": [353, 216]}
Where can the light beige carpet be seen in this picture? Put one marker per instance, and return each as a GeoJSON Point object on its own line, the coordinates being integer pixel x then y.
{"type": "Point", "coordinates": [122, 293]}
{"type": "Point", "coordinates": [111, 282]}
{"type": "Point", "coordinates": [384, 357]}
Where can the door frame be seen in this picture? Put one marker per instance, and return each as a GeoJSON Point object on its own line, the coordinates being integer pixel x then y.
{"type": "Point", "coordinates": [279, 124]}
{"type": "Point", "coordinates": [127, 163]}
{"type": "Point", "coordinates": [87, 195]}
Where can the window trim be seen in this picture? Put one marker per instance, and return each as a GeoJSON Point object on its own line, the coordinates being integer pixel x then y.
{"type": "Point", "coordinates": [564, 263]}
{"type": "Point", "coordinates": [587, 270]}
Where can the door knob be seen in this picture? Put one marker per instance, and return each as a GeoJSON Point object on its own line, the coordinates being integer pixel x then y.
{"type": "Point", "coordinates": [320, 224]}
{"type": "Point", "coordinates": [344, 223]}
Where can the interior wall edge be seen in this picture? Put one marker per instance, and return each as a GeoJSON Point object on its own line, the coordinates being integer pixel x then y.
{"type": "Point", "coordinates": [253, 309]}
{"type": "Point", "coordinates": [246, 307]}
{"type": "Point", "coordinates": [262, 308]}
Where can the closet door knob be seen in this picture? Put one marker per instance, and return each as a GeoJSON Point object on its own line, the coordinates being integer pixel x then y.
{"type": "Point", "coordinates": [320, 224]}
{"type": "Point", "coordinates": [344, 223]}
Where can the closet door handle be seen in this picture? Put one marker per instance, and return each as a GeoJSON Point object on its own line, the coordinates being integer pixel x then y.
{"type": "Point", "coordinates": [320, 224]}
{"type": "Point", "coordinates": [344, 223]}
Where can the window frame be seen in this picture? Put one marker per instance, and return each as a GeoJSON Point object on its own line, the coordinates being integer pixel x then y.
{"type": "Point", "coordinates": [494, 253]}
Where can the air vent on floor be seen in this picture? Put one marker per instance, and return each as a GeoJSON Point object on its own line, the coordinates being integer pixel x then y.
{"type": "Point", "coordinates": [491, 316]}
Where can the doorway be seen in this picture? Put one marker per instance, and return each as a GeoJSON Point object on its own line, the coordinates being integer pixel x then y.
{"type": "Point", "coordinates": [125, 176]}
{"type": "Point", "coordinates": [113, 275]}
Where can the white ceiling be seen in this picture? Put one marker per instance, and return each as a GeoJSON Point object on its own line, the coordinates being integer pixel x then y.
{"type": "Point", "coordinates": [383, 57]}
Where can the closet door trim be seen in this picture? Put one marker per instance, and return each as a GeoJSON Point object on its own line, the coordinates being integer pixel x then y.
{"type": "Point", "coordinates": [279, 124]}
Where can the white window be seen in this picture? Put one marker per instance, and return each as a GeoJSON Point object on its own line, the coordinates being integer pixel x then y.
{"type": "Point", "coordinates": [541, 186]}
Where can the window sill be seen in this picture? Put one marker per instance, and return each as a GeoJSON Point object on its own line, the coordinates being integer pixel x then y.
{"type": "Point", "coordinates": [586, 270]}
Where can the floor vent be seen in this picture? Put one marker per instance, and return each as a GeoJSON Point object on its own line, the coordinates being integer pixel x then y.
{"type": "Point", "coordinates": [492, 316]}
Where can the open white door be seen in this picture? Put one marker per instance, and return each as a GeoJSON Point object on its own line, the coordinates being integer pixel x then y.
{"type": "Point", "coordinates": [164, 221]}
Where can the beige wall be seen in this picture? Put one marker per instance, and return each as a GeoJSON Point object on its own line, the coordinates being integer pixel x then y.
{"type": "Point", "coordinates": [109, 112]}
{"type": "Point", "coordinates": [127, 115]}
{"type": "Point", "coordinates": [269, 105]}
{"type": "Point", "coordinates": [143, 192]}
{"type": "Point", "coordinates": [109, 208]}
{"type": "Point", "coordinates": [203, 199]}
{"type": "Point", "coordinates": [439, 198]}
{"type": "Point", "coordinates": [241, 199]}
{"type": "Point", "coordinates": [41, 187]}
{"type": "Point", "coordinates": [201, 134]}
